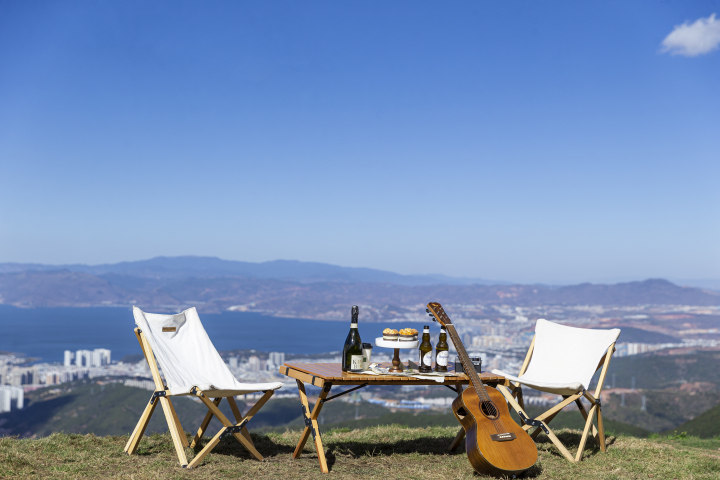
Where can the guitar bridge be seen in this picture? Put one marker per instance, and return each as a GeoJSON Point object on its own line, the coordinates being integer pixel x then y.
{"type": "Point", "coordinates": [502, 437]}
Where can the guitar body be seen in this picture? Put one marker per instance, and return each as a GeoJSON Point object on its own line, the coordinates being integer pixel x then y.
{"type": "Point", "coordinates": [500, 458]}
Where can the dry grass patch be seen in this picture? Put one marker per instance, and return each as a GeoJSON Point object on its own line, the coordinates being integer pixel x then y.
{"type": "Point", "coordinates": [389, 452]}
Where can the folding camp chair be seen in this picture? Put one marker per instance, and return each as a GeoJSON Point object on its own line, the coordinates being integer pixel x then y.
{"type": "Point", "coordinates": [562, 360]}
{"type": "Point", "coordinates": [191, 366]}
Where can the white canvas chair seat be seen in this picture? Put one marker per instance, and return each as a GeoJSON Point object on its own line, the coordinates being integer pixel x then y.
{"type": "Point", "coordinates": [187, 357]}
{"type": "Point", "coordinates": [191, 366]}
{"type": "Point", "coordinates": [562, 360]}
{"type": "Point", "coordinates": [549, 387]}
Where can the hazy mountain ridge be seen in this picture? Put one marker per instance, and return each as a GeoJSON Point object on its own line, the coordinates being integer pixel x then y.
{"type": "Point", "coordinates": [320, 300]}
{"type": "Point", "coordinates": [213, 267]}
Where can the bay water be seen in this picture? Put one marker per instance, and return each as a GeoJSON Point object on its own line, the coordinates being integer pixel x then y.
{"type": "Point", "coordinates": [45, 333]}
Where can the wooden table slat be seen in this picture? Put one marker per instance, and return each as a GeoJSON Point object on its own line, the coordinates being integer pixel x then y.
{"type": "Point", "coordinates": [332, 372]}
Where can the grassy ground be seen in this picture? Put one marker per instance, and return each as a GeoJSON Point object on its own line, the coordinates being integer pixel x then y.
{"type": "Point", "coordinates": [376, 452]}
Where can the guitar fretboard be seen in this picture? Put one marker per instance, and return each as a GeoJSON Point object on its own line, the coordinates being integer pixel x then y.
{"type": "Point", "coordinates": [468, 366]}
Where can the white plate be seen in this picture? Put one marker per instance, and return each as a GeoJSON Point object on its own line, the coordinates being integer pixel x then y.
{"type": "Point", "coordinates": [396, 344]}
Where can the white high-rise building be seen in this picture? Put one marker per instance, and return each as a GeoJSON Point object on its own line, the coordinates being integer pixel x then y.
{"type": "Point", "coordinates": [100, 357]}
{"type": "Point", "coordinates": [233, 362]}
{"type": "Point", "coordinates": [8, 394]}
{"type": "Point", "coordinates": [84, 358]}
{"type": "Point", "coordinates": [277, 358]}
{"type": "Point", "coordinates": [68, 358]}
{"type": "Point", "coordinates": [254, 364]}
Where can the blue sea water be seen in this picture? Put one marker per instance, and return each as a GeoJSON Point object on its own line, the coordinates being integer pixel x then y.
{"type": "Point", "coordinates": [47, 332]}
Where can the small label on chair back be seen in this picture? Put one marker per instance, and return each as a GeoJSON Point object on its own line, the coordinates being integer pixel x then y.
{"type": "Point", "coordinates": [169, 329]}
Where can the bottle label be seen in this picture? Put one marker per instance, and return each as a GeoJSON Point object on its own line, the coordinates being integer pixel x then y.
{"type": "Point", "coordinates": [356, 362]}
{"type": "Point", "coordinates": [442, 359]}
{"type": "Point", "coordinates": [353, 325]}
{"type": "Point", "coordinates": [427, 359]}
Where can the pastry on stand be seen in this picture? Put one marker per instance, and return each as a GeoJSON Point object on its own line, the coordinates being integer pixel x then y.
{"type": "Point", "coordinates": [397, 346]}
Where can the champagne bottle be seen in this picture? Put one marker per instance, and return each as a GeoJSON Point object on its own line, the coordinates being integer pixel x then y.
{"type": "Point", "coordinates": [352, 358]}
{"type": "Point", "coordinates": [441, 352]}
{"type": "Point", "coordinates": [425, 352]}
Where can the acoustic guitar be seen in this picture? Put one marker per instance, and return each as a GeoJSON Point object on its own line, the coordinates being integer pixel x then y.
{"type": "Point", "coordinates": [494, 443]}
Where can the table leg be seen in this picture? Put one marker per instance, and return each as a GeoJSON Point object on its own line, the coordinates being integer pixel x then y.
{"type": "Point", "coordinates": [461, 433]}
{"type": "Point", "coordinates": [311, 424]}
{"type": "Point", "coordinates": [396, 362]}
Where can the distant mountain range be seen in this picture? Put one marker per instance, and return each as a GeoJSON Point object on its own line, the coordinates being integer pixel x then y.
{"type": "Point", "coordinates": [299, 289]}
{"type": "Point", "coordinates": [213, 267]}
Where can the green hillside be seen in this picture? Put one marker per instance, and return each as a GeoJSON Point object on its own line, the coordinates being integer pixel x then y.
{"type": "Point", "coordinates": [659, 370]}
{"type": "Point", "coordinates": [706, 425]}
{"type": "Point", "coordinates": [89, 407]}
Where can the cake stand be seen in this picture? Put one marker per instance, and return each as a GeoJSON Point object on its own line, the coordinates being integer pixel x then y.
{"type": "Point", "coordinates": [397, 345]}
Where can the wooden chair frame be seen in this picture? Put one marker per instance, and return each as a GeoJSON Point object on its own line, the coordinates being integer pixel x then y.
{"type": "Point", "coordinates": [238, 429]}
{"type": "Point", "coordinates": [513, 394]}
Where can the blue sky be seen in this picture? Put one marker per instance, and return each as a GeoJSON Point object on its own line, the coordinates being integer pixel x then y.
{"type": "Point", "coordinates": [532, 141]}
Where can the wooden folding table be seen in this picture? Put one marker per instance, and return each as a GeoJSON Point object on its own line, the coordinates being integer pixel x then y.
{"type": "Point", "coordinates": [325, 375]}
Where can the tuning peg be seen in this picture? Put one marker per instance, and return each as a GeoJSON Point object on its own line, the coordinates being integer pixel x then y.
{"type": "Point", "coordinates": [427, 310]}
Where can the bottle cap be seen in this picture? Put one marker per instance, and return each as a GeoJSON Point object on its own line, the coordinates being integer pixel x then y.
{"type": "Point", "coordinates": [367, 345]}
{"type": "Point", "coordinates": [426, 327]}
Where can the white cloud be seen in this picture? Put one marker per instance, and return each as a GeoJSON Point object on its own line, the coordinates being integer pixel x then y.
{"type": "Point", "coordinates": [693, 39]}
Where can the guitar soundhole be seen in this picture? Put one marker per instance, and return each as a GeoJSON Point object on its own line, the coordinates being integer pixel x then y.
{"type": "Point", "coordinates": [489, 410]}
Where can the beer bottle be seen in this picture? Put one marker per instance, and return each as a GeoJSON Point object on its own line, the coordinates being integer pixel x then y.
{"type": "Point", "coordinates": [425, 352]}
{"type": "Point", "coordinates": [352, 350]}
{"type": "Point", "coordinates": [441, 352]}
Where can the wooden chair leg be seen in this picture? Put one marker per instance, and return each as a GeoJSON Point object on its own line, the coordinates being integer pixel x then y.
{"type": "Point", "coordinates": [584, 413]}
{"type": "Point", "coordinates": [204, 425]}
{"type": "Point", "coordinates": [206, 449]}
{"type": "Point", "coordinates": [556, 441]}
{"type": "Point", "coordinates": [179, 447]}
{"type": "Point", "coordinates": [134, 440]}
{"type": "Point", "coordinates": [177, 425]}
{"type": "Point", "coordinates": [583, 439]}
{"type": "Point", "coordinates": [457, 441]}
{"type": "Point", "coordinates": [238, 418]}
{"type": "Point", "coordinates": [601, 431]}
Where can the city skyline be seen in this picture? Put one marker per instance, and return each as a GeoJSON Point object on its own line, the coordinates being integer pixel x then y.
{"type": "Point", "coordinates": [529, 143]}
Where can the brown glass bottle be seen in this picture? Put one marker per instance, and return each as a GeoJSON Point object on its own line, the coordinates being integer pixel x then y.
{"type": "Point", "coordinates": [425, 352]}
{"type": "Point", "coordinates": [441, 352]}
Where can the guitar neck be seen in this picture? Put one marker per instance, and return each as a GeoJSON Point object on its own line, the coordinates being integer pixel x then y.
{"type": "Point", "coordinates": [468, 366]}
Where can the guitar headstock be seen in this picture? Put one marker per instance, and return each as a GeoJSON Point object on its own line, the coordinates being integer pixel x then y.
{"type": "Point", "coordinates": [436, 311]}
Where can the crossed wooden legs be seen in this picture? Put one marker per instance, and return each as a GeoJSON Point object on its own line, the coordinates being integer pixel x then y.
{"type": "Point", "coordinates": [541, 421]}
{"type": "Point", "coordinates": [238, 429]}
{"type": "Point", "coordinates": [312, 426]}
{"type": "Point", "coordinates": [176, 431]}
{"type": "Point", "coordinates": [311, 423]}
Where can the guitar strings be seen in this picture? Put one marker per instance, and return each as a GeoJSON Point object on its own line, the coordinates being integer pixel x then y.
{"type": "Point", "coordinates": [475, 380]}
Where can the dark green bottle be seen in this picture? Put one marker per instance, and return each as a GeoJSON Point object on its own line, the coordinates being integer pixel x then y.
{"type": "Point", "coordinates": [352, 350]}
{"type": "Point", "coordinates": [441, 352]}
{"type": "Point", "coordinates": [425, 352]}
